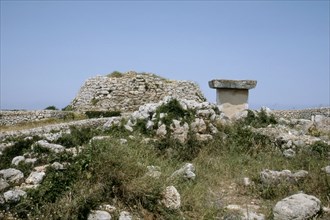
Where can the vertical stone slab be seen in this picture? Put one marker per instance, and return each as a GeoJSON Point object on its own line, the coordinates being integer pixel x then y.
{"type": "Point", "coordinates": [232, 95]}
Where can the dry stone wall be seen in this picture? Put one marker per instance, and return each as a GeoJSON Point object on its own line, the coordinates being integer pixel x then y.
{"type": "Point", "coordinates": [17, 117]}
{"type": "Point", "coordinates": [302, 113]}
{"type": "Point", "coordinates": [129, 91]}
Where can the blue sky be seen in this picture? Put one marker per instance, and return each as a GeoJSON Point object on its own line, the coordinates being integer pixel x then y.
{"type": "Point", "coordinates": [49, 48]}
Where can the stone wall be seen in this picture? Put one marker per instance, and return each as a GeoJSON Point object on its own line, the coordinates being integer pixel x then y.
{"type": "Point", "coordinates": [303, 113]}
{"type": "Point", "coordinates": [127, 92]}
{"type": "Point", "coordinates": [17, 117]}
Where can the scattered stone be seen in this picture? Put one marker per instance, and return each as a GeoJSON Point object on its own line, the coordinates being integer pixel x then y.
{"type": "Point", "coordinates": [14, 195]}
{"type": "Point", "coordinates": [41, 168]}
{"type": "Point", "coordinates": [99, 215]}
{"type": "Point", "coordinates": [52, 147]}
{"type": "Point", "coordinates": [246, 181]}
{"type": "Point", "coordinates": [289, 153]}
{"type": "Point", "coordinates": [17, 160]}
{"type": "Point", "coordinates": [187, 172]}
{"type": "Point", "coordinates": [247, 213]}
{"type": "Point", "coordinates": [124, 215]}
{"type": "Point", "coordinates": [326, 170]}
{"type": "Point", "coordinates": [154, 171]}
{"type": "Point", "coordinates": [113, 121]}
{"type": "Point", "coordinates": [123, 141]}
{"type": "Point", "coordinates": [272, 177]}
{"type": "Point", "coordinates": [35, 178]}
{"type": "Point", "coordinates": [204, 137]}
{"type": "Point", "coordinates": [107, 208]}
{"type": "Point", "coordinates": [99, 138]}
{"type": "Point", "coordinates": [30, 160]}
{"type": "Point", "coordinates": [171, 198]}
{"type": "Point", "coordinates": [3, 184]}
{"type": "Point", "coordinates": [128, 128]}
{"type": "Point", "coordinates": [150, 125]}
{"type": "Point", "coordinates": [180, 132]}
{"type": "Point", "coordinates": [198, 125]}
{"type": "Point", "coordinates": [161, 131]}
{"type": "Point", "coordinates": [12, 175]}
{"type": "Point", "coordinates": [299, 207]}
{"type": "Point", "coordinates": [57, 166]}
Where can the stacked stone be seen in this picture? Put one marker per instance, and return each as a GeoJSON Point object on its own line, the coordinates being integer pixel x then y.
{"type": "Point", "coordinates": [128, 92]}
{"type": "Point", "coordinates": [16, 117]}
{"type": "Point", "coordinates": [302, 113]}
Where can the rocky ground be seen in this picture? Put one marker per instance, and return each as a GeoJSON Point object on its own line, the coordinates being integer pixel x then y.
{"type": "Point", "coordinates": [28, 157]}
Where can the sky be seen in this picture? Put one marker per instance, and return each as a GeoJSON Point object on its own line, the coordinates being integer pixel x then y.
{"type": "Point", "coordinates": [50, 48]}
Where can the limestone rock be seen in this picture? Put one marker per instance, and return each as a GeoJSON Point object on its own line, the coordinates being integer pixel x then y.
{"type": "Point", "coordinates": [187, 172]}
{"type": "Point", "coordinates": [204, 137]}
{"type": "Point", "coordinates": [99, 215]}
{"type": "Point", "coordinates": [274, 177]}
{"type": "Point", "coordinates": [198, 125]}
{"type": "Point", "coordinates": [52, 147]}
{"type": "Point", "coordinates": [16, 160]}
{"type": "Point", "coordinates": [153, 171]}
{"type": "Point", "coordinates": [161, 131]}
{"type": "Point", "coordinates": [326, 170]}
{"type": "Point", "coordinates": [171, 198]}
{"type": "Point", "coordinates": [3, 184]}
{"type": "Point", "coordinates": [124, 215]}
{"type": "Point", "coordinates": [128, 128]}
{"type": "Point", "coordinates": [298, 207]}
{"type": "Point", "coordinates": [12, 175]}
{"type": "Point", "coordinates": [14, 195]}
{"type": "Point", "coordinates": [180, 132]}
{"type": "Point", "coordinates": [57, 166]}
{"type": "Point", "coordinates": [35, 178]}
{"type": "Point", "coordinates": [113, 121]}
{"type": "Point", "coordinates": [289, 153]}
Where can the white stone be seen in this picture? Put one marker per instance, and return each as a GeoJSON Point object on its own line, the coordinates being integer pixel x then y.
{"type": "Point", "coordinates": [128, 128]}
{"type": "Point", "coordinates": [17, 160]}
{"type": "Point", "coordinates": [204, 137]}
{"type": "Point", "coordinates": [123, 141]}
{"type": "Point", "coordinates": [150, 125]}
{"type": "Point", "coordinates": [198, 125]}
{"type": "Point", "coordinates": [52, 147]}
{"type": "Point", "coordinates": [113, 121]}
{"type": "Point", "coordinates": [187, 172]}
{"type": "Point", "coordinates": [57, 166]}
{"type": "Point", "coordinates": [35, 178]}
{"type": "Point", "coordinates": [289, 153]}
{"type": "Point", "coordinates": [180, 132]}
{"type": "Point", "coordinates": [161, 131]}
{"type": "Point", "coordinates": [326, 169]}
{"type": "Point", "coordinates": [3, 184]}
{"type": "Point", "coordinates": [171, 198]}
{"type": "Point", "coordinates": [124, 215]}
{"type": "Point", "coordinates": [12, 175]}
{"type": "Point", "coordinates": [298, 207]}
{"type": "Point", "coordinates": [99, 215]}
{"type": "Point", "coordinates": [14, 195]}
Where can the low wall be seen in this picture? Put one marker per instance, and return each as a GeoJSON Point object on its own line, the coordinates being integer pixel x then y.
{"type": "Point", "coordinates": [17, 117]}
{"type": "Point", "coordinates": [302, 113]}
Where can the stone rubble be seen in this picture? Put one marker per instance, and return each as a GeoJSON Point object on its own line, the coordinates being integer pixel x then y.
{"type": "Point", "coordinates": [186, 172]}
{"type": "Point", "coordinates": [272, 177]}
{"type": "Point", "coordinates": [171, 198]}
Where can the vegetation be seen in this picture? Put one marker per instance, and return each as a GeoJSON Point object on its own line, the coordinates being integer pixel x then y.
{"type": "Point", "coordinates": [52, 107]}
{"type": "Point", "coordinates": [101, 114]}
{"type": "Point", "coordinates": [115, 74]}
{"type": "Point", "coordinates": [107, 173]}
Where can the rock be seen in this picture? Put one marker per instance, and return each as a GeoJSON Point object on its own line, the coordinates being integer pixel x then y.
{"type": "Point", "coordinates": [99, 215]}
{"type": "Point", "coordinates": [298, 207]}
{"type": "Point", "coordinates": [326, 170]}
{"type": "Point", "coordinates": [41, 168]}
{"type": "Point", "coordinates": [247, 213]}
{"type": "Point", "coordinates": [198, 125]}
{"type": "Point", "coordinates": [3, 184]}
{"type": "Point", "coordinates": [57, 166]}
{"type": "Point", "coordinates": [171, 198]}
{"type": "Point", "coordinates": [274, 177]}
{"type": "Point", "coordinates": [107, 208]}
{"type": "Point", "coordinates": [52, 147]}
{"type": "Point", "coordinates": [17, 160]}
{"type": "Point", "coordinates": [14, 195]}
{"type": "Point", "coordinates": [35, 178]}
{"type": "Point", "coordinates": [128, 128]}
{"type": "Point", "coordinates": [153, 171]}
{"type": "Point", "coordinates": [12, 175]}
{"type": "Point", "coordinates": [30, 160]}
{"type": "Point", "coordinates": [301, 174]}
{"type": "Point", "coordinates": [99, 138]}
{"type": "Point", "coordinates": [213, 129]}
{"type": "Point", "coordinates": [113, 121]}
{"type": "Point", "coordinates": [289, 153]}
{"type": "Point", "coordinates": [125, 216]}
{"type": "Point", "coordinates": [180, 132]}
{"type": "Point", "coordinates": [204, 137]}
{"type": "Point", "coordinates": [161, 131]}
{"type": "Point", "coordinates": [123, 141]}
{"type": "Point", "coordinates": [246, 181]}
{"type": "Point", "coordinates": [187, 172]}
{"type": "Point", "coordinates": [150, 125]}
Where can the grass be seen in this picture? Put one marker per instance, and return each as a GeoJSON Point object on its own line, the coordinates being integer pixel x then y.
{"type": "Point", "coordinates": [107, 172]}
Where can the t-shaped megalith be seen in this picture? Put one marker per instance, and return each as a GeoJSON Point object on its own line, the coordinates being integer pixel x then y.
{"type": "Point", "coordinates": [232, 95]}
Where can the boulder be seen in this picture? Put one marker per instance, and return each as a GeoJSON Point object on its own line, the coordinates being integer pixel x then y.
{"type": "Point", "coordinates": [12, 175]}
{"type": "Point", "coordinates": [187, 172]}
{"type": "Point", "coordinates": [14, 195]}
{"type": "Point", "coordinates": [272, 177]}
{"type": "Point", "coordinates": [298, 207]}
{"type": "Point", "coordinates": [124, 215]}
{"type": "Point", "coordinates": [35, 178]}
{"type": "Point", "coordinates": [99, 215]}
{"type": "Point", "coordinates": [52, 147]}
{"type": "Point", "coordinates": [198, 125]}
{"type": "Point", "coordinates": [171, 198]}
{"type": "Point", "coordinates": [17, 160]}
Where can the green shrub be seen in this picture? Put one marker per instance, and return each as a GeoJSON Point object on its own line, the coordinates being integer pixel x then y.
{"type": "Point", "coordinates": [77, 137]}
{"type": "Point", "coordinates": [52, 107]}
{"type": "Point", "coordinates": [101, 114]}
{"type": "Point", "coordinates": [68, 108]}
{"type": "Point", "coordinates": [260, 119]}
{"type": "Point", "coordinates": [115, 74]}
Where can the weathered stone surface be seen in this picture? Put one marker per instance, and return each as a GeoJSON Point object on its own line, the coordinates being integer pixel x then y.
{"type": "Point", "coordinates": [52, 147]}
{"type": "Point", "coordinates": [14, 195]}
{"type": "Point", "coordinates": [299, 207]}
{"type": "Point", "coordinates": [179, 132]}
{"type": "Point", "coordinates": [3, 184]}
{"type": "Point", "coordinates": [16, 160]}
{"type": "Point", "coordinates": [124, 215]}
{"type": "Point", "coordinates": [161, 131]}
{"type": "Point", "coordinates": [171, 198]}
{"type": "Point", "coordinates": [232, 84]}
{"type": "Point", "coordinates": [113, 121]}
{"type": "Point", "coordinates": [57, 166]}
{"type": "Point", "coordinates": [12, 175]}
{"type": "Point", "coordinates": [99, 215]}
{"type": "Point", "coordinates": [198, 125]}
{"type": "Point", "coordinates": [106, 93]}
{"type": "Point", "coordinates": [35, 178]}
{"type": "Point", "coordinates": [275, 177]}
{"type": "Point", "coordinates": [187, 172]}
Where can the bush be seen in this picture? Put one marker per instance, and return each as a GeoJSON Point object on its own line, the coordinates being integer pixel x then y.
{"type": "Point", "coordinates": [77, 137]}
{"type": "Point", "coordinates": [260, 119]}
{"type": "Point", "coordinates": [52, 107]}
{"type": "Point", "coordinates": [101, 114]}
{"type": "Point", "coordinates": [68, 108]}
{"type": "Point", "coordinates": [115, 74]}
